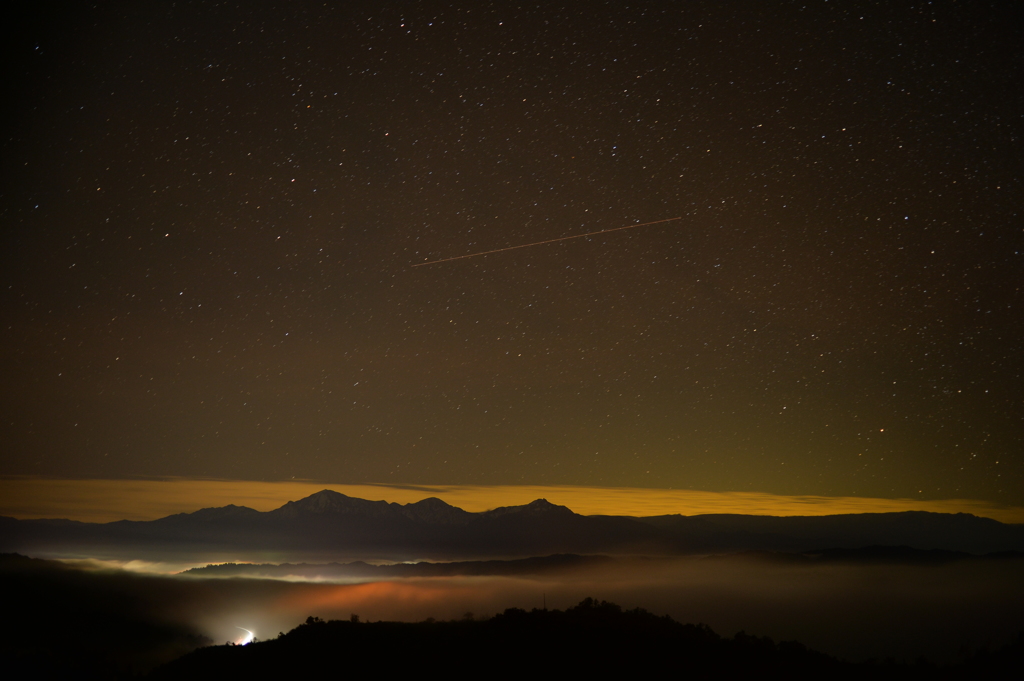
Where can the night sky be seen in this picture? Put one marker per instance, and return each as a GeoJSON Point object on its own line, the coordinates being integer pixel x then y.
{"type": "Point", "coordinates": [210, 213]}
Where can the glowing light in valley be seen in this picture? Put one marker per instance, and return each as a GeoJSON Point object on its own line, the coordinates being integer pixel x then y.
{"type": "Point", "coordinates": [245, 640]}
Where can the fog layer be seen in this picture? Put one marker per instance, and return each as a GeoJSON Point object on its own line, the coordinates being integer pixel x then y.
{"type": "Point", "coordinates": [856, 612]}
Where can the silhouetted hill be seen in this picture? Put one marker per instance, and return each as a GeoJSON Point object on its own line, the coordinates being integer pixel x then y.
{"type": "Point", "coordinates": [361, 570]}
{"type": "Point", "coordinates": [332, 525]}
{"type": "Point", "coordinates": [903, 555]}
{"type": "Point", "coordinates": [60, 622]}
{"type": "Point", "coordinates": [915, 529]}
{"type": "Point", "coordinates": [593, 638]}
{"type": "Point", "coordinates": [540, 565]}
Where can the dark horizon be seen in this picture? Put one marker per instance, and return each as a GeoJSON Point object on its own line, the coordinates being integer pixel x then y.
{"type": "Point", "coordinates": [329, 526]}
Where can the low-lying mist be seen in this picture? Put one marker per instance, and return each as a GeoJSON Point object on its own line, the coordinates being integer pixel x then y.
{"type": "Point", "coordinates": [853, 611]}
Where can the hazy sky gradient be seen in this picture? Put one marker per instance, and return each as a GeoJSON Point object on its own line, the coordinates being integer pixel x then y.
{"type": "Point", "coordinates": [211, 212]}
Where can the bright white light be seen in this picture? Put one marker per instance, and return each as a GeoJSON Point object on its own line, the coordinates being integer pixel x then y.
{"type": "Point", "coordinates": [245, 640]}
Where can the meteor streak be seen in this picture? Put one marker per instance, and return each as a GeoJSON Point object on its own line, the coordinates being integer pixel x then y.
{"type": "Point", "coordinates": [549, 241]}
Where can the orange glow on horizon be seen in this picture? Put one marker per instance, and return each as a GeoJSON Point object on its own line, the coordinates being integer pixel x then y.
{"type": "Point", "coordinates": [416, 592]}
{"type": "Point", "coordinates": [109, 500]}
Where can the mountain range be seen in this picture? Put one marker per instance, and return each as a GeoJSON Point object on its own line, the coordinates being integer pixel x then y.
{"type": "Point", "coordinates": [329, 525]}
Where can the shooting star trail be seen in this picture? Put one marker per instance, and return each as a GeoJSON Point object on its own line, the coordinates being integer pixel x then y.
{"type": "Point", "coordinates": [548, 241]}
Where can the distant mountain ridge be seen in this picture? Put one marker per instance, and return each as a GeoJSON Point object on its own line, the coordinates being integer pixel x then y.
{"type": "Point", "coordinates": [329, 525]}
{"type": "Point", "coordinates": [327, 502]}
{"type": "Point", "coordinates": [569, 563]}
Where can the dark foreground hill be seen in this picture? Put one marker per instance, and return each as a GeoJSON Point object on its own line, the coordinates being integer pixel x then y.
{"type": "Point", "coordinates": [60, 622]}
{"type": "Point", "coordinates": [591, 638]}
{"type": "Point", "coordinates": [596, 639]}
{"type": "Point", "coordinates": [329, 525]}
